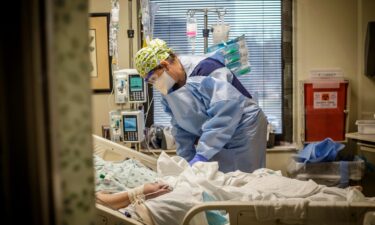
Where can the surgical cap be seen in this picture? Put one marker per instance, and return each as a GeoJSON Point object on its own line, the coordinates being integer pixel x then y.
{"type": "Point", "coordinates": [149, 57]}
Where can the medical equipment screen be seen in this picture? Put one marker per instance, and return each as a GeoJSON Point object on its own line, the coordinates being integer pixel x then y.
{"type": "Point", "coordinates": [131, 132]}
{"type": "Point", "coordinates": [130, 123]}
{"type": "Point", "coordinates": [136, 83]}
{"type": "Point", "coordinates": [137, 92]}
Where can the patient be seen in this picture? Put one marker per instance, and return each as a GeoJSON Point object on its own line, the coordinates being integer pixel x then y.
{"type": "Point", "coordinates": [119, 176]}
{"type": "Point", "coordinates": [201, 183]}
{"type": "Point", "coordinates": [120, 183]}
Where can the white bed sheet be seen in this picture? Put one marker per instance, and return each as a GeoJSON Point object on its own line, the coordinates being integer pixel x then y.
{"type": "Point", "coordinates": [189, 183]}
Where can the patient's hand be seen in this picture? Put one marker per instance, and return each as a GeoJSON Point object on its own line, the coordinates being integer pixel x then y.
{"type": "Point", "coordinates": [153, 190]}
{"type": "Point", "coordinates": [121, 199]}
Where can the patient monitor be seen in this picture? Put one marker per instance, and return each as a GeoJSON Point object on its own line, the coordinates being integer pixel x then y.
{"type": "Point", "coordinates": [129, 87]}
{"type": "Point", "coordinates": [133, 126]}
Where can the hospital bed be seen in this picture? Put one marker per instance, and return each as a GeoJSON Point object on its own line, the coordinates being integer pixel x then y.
{"type": "Point", "coordinates": [240, 213]}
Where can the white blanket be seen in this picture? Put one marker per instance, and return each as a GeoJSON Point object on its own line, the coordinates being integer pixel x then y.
{"type": "Point", "coordinates": [190, 182]}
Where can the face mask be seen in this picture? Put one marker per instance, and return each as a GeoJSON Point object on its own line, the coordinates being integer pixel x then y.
{"type": "Point", "coordinates": [164, 83]}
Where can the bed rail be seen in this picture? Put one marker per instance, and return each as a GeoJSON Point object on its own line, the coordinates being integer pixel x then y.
{"type": "Point", "coordinates": [107, 216]}
{"type": "Point", "coordinates": [104, 146]}
{"type": "Point", "coordinates": [243, 213]}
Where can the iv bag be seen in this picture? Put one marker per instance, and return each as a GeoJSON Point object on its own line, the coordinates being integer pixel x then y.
{"type": "Point", "coordinates": [220, 33]}
{"type": "Point", "coordinates": [148, 10]}
{"type": "Point", "coordinates": [191, 27]}
{"type": "Point", "coordinates": [114, 30]}
{"type": "Point", "coordinates": [115, 17]}
{"type": "Point", "coordinates": [191, 31]}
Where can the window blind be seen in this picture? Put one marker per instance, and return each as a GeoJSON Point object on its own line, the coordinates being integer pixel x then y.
{"type": "Point", "coordinates": [260, 21]}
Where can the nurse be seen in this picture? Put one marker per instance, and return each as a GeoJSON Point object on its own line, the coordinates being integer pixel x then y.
{"type": "Point", "coordinates": [213, 116]}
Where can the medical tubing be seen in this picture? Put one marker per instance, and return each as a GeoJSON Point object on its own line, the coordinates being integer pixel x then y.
{"type": "Point", "coordinates": [136, 195]}
{"type": "Point", "coordinates": [192, 43]}
{"type": "Point", "coordinates": [147, 139]}
{"type": "Point", "coordinates": [114, 29]}
{"type": "Point", "coordinates": [149, 107]}
{"type": "Point", "coordinates": [111, 94]}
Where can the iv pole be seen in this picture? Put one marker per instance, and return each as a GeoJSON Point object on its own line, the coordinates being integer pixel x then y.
{"type": "Point", "coordinates": [205, 30]}
{"type": "Point", "coordinates": [130, 32]}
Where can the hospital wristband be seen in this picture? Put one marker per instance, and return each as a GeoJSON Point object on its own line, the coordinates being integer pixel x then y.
{"type": "Point", "coordinates": [136, 194]}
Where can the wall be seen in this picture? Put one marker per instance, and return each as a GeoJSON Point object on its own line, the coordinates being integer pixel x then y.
{"type": "Point", "coordinates": [325, 36]}
{"type": "Point", "coordinates": [366, 106]}
{"type": "Point", "coordinates": [103, 103]}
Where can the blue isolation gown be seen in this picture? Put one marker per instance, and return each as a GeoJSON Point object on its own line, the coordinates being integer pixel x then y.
{"type": "Point", "coordinates": [214, 117]}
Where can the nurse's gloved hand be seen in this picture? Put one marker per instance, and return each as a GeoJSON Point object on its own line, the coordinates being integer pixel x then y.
{"type": "Point", "coordinates": [197, 158]}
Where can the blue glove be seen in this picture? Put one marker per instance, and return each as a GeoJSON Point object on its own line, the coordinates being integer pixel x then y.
{"type": "Point", "coordinates": [323, 151]}
{"type": "Point", "coordinates": [197, 158]}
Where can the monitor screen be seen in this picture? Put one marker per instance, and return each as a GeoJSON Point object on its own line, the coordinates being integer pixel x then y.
{"type": "Point", "coordinates": [136, 83]}
{"type": "Point", "coordinates": [130, 123]}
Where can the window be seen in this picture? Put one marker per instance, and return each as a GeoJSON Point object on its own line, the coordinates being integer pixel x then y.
{"type": "Point", "coordinates": [261, 23]}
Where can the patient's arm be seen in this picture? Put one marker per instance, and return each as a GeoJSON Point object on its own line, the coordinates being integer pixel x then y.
{"type": "Point", "coordinates": [122, 199]}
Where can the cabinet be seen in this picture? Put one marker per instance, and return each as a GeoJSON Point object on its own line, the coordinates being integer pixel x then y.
{"type": "Point", "coordinates": [365, 143]}
{"type": "Point", "coordinates": [366, 148]}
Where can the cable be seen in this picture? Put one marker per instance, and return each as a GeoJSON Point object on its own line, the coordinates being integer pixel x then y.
{"type": "Point", "coordinates": [148, 148]}
{"type": "Point", "coordinates": [149, 107]}
{"type": "Point", "coordinates": [149, 138]}
{"type": "Point", "coordinates": [109, 96]}
{"type": "Point", "coordinates": [113, 87]}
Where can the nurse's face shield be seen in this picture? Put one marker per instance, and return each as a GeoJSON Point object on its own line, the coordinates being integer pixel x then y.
{"type": "Point", "coordinates": [152, 76]}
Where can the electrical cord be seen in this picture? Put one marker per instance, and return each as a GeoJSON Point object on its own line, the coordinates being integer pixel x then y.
{"type": "Point", "coordinates": [148, 138]}
{"type": "Point", "coordinates": [113, 87]}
